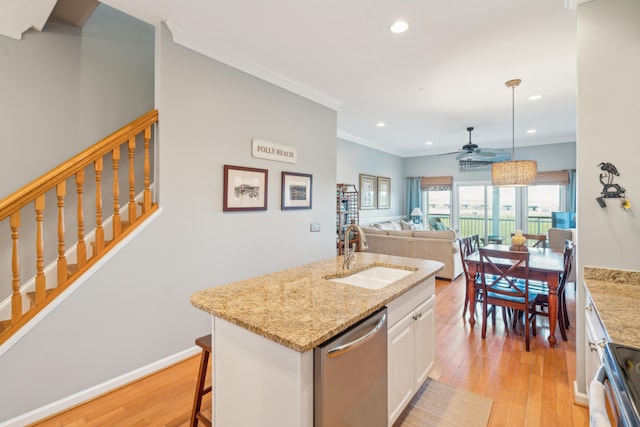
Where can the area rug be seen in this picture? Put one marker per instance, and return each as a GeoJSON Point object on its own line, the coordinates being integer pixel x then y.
{"type": "Point", "coordinates": [439, 404]}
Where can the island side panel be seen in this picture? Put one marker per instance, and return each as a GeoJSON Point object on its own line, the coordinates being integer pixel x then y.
{"type": "Point", "coordinates": [257, 382]}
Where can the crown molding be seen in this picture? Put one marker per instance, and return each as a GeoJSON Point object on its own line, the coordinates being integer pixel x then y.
{"type": "Point", "coordinates": [190, 41]}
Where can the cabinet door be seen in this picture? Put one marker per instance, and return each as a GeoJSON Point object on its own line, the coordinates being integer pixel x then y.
{"type": "Point", "coordinates": [594, 343]}
{"type": "Point", "coordinates": [400, 366]}
{"type": "Point", "coordinates": [424, 331]}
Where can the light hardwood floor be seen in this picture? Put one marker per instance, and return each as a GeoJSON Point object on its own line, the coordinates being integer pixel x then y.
{"type": "Point", "coordinates": [528, 388]}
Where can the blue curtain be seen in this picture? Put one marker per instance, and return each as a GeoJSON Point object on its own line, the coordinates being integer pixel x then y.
{"type": "Point", "coordinates": [413, 196]}
{"type": "Point", "coordinates": [571, 192]}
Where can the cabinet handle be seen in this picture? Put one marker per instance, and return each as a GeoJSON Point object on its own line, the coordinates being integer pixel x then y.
{"type": "Point", "coordinates": [420, 314]}
{"type": "Point", "coordinates": [415, 317]}
{"type": "Point", "coordinates": [588, 307]}
{"type": "Point", "coordinates": [599, 343]}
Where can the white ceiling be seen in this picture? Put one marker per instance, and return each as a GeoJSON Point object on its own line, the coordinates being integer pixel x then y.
{"type": "Point", "coordinates": [447, 72]}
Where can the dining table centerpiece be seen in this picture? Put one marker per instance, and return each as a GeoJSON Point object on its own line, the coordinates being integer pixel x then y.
{"type": "Point", "coordinates": [518, 242]}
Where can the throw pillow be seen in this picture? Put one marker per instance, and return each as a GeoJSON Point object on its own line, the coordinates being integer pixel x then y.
{"type": "Point", "coordinates": [384, 226]}
{"type": "Point", "coordinates": [440, 226]}
{"type": "Point", "coordinates": [405, 225]}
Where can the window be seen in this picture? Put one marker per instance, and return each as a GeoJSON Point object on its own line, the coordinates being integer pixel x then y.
{"type": "Point", "coordinates": [496, 212]}
{"type": "Point", "coordinates": [541, 201]}
{"type": "Point", "coordinates": [436, 200]}
{"type": "Point", "coordinates": [487, 211]}
{"type": "Point", "coordinates": [438, 206]}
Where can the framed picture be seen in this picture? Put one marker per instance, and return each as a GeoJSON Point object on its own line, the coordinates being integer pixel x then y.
{"type": "Point", "coordinates": [367, 191]}
{"type": "Point", "coordinates": [296, 190]}
{"type": "Point", "coordinates": [245, 189]}
{"type": "Point", "coordinates": [384, 193]}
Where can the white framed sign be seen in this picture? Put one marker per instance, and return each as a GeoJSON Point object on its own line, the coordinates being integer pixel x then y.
{"type": "Point", "coordinates": [263, 149]}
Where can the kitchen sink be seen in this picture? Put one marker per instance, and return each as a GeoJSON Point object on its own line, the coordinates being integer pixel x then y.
{"type": "Point", "coordinates": [376, 277]}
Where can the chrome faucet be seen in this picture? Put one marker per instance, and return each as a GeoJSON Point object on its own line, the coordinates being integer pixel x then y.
{"type": "Point", "coordinates": [348, 252]}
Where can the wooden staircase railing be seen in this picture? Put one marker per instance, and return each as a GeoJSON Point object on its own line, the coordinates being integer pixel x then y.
{"type": "Point", "coordinates": [26, 302]}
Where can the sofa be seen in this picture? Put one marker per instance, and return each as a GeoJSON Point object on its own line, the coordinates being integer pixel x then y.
{"type": "Point", "coordinates": [397, 238]}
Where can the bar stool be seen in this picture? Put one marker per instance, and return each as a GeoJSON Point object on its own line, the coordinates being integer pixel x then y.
{"type": "Point", "coordinates": [196, 415]}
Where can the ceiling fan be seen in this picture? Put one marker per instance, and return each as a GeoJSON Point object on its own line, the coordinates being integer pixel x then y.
{"type": "Point", "coordinates": [471, 156]}
{"type": "Point", "coordinates": [472, 148]}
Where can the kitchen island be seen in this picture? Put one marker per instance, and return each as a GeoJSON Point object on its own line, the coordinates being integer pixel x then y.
{"type": "Point", "coordinates": [265, 329]}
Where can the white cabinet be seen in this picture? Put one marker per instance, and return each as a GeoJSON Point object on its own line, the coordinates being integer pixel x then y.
{"type": "Point", "coordinates": [410, 348]}
{"type": "Point", "coordinates": [596, 340]}
{"type": "Point", "coordinates": [424, 327]}
{"type": "Point", "coordinates": [401, 356]}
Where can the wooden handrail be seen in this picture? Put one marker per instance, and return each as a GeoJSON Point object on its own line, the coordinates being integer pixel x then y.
{"type": "Point", "coordinates": [77, 163]}
{"type": "Point", "coordinates": [29, 299]}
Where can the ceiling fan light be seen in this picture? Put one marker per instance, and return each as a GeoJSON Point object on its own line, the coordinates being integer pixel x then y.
{"type": "Point", "coordinates": [514, 173]}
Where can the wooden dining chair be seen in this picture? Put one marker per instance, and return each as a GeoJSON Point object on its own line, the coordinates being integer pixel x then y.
{"type": "Point", "coordinates": [567, 274]}
{"type": "Point", "coordinates": [501, 290]}
{"type": "Point", "coordinates": [466, 249]}
{"type": "Point", "coordinates": [475, 242]}
{"type": "Point", "coordinates": [534, 240]}
{"type": "Point", "coordinates": [542, 298]}
{"type": "Point", "coordinates": [469, 245]}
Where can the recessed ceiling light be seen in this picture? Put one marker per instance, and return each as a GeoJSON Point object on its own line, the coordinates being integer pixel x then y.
{"type": "Point", "coordinates": [399, 27]}
{"type": "Point", "coordinates": [534, 97]}
{"type": "Point", "coordinates": [531, 131]}
{"type": "Point", "coordinates": [380, 124]}
{"type": "Point", "coordinates": [429, 143]}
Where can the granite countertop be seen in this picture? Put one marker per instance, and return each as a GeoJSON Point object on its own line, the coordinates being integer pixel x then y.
{"type": "Point", "coordinates": [299, 308]}
{"type": "Point", "coordinates": [616, 295]}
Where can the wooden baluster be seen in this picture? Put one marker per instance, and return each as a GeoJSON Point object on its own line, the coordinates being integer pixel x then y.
{"type": "Point", "coordinates": [117, 223]}
{"type": "Point", "coordinates": [146, 206]}
{"type": "Point", "coordinates": [81, 249]}
{"type": "Point", "coordinates": [97, 167]}
{"type": "Point", "coordinates": [61, 192]}
{"type": "Point", "coordinates": [133, 209]}
{"type": "Point", "coordinates": [16, 297]}
{"type": "Point", "coordinates": [40, 277]}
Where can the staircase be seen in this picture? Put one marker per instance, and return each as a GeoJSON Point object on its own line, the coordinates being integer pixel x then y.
{"type": "Point", "coordinates": [53, 267]}
{"type": "Point", "coordinates": [19, 16]}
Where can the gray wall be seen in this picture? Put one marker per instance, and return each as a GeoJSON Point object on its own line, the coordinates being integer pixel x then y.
{"type": "Point", "coordinates": [354, 159]}
{"type": "Point", "coordinates": [209, 114]}
{"type": "Point", "coordinates": [608, 111]}
{"type": "Point", "coordinates": [135, 310]}
{"type": "Point", "coordinates": [63, 90]}
{"type": "Point", "coordinates": [68, 88]}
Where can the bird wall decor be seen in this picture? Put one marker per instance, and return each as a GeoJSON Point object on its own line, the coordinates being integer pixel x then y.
{"type": "Point", "coordinates": [609, 189]}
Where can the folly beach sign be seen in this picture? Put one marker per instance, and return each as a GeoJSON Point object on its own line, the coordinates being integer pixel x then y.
{"type": "Point", "coordinates": [263, 149]}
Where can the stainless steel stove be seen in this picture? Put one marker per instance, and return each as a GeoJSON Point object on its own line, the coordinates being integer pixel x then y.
{"type": "Point", "coordinates": [622, 365]}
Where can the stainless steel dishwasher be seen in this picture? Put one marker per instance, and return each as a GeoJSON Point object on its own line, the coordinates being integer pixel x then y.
{"type": "Point", "coordinates": [350, 376]}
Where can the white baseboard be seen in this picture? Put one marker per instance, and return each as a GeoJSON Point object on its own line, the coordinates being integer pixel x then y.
{"type": "Point", "coordinates": [97, 390]}
{"type": "Point", "coordinates": [579, 398]}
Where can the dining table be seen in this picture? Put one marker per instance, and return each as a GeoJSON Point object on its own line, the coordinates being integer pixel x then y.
{"type": "Point", "coordinates": [545, 264]}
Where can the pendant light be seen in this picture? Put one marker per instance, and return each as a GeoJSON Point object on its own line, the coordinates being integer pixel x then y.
{"type": "Point", "coordinates": [513, 173]}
